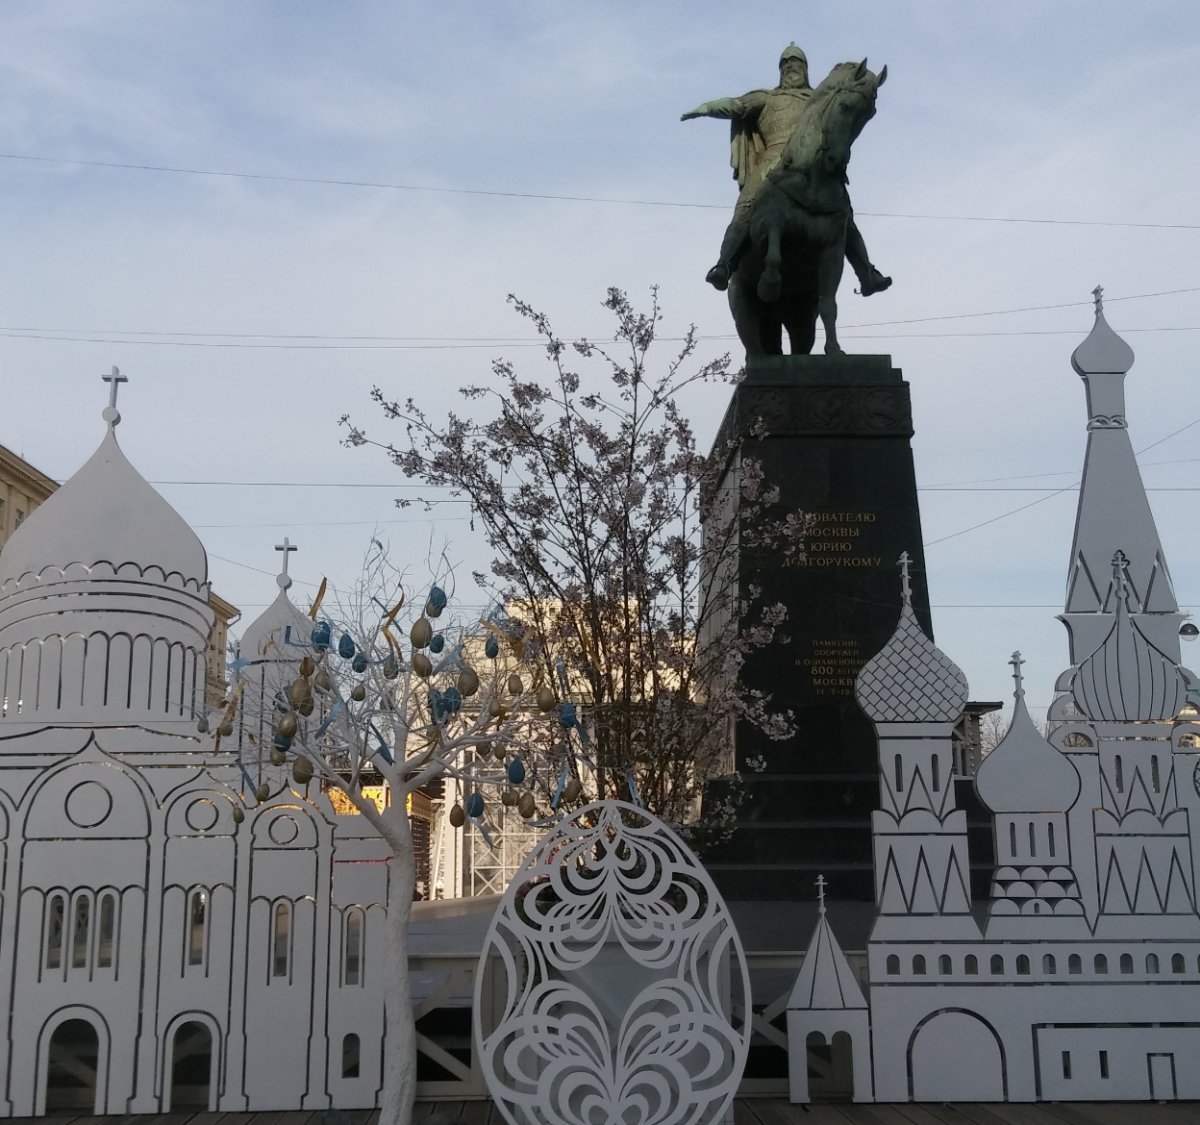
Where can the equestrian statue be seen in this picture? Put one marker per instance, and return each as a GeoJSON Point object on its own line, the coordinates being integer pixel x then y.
{"type": "Point", "coordinates": [782, 255]}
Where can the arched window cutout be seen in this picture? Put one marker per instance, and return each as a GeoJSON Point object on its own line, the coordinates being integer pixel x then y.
{"type": "Point", "coordinates": [1152, 962]}
{"type": "Point", "coordinates": [945, 965]}
{"type": "Point", "coordinates": [893, 965]}
{"type": "Point", "coordinates": [281, 940]}
{"type": "Point", "coordinates": [899, 767]}
{"type": "Point", "coordinates": [1117, 774]}
{"type": "Point", "coordinates": [1155, 777]}
{"type": "Point", "coordinates": [1074, 964]}
{"type": "Point", "coordinates": [1012, 838]}
{"type": "Point", "coordinates": [997, 965]}
{"type": "Point", "coordinates": [1178, 965]}
{"type": "Point", "coordinates": [350, 1056]}
{"type": "Point", "coordinates": [1022, 965]}
{"type": "Point", "coordinates": [56, 910]}
{"type": "Point", "coordinates": [198, 923]}
{"type": "Point", "coordinates": [106, 937]}
{"type": "Point", "coordinates": [1049, 967]}
{"type": "Point", "coordinates": [82, 932]}
{"type": "Point", "coordinates": [1100, 964]}
{"type": "Point", "coordinates": [1126, 963]}
{"type": "Point", "coordinates": [1050, 837]}
{"type": "Point", "coordinates": [354, 946]}
{"type": "Point", "coordinates": [971, 965]}
{"type": "Point", "coordinates": [935, 772]}
{"type": "Point", "coordinates": [1032, 839]}
{"type": "Point", "coordinates": [919, 965]}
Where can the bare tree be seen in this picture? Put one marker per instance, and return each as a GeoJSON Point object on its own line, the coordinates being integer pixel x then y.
{"type": "Point", "coordinates": [590, 490]}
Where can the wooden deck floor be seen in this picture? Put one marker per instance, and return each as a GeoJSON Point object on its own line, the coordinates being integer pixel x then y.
{"type": "Point", "coordinates": [750, 1111]}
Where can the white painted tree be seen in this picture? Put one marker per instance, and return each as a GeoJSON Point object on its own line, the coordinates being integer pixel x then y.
{"type": "Point", "coordinates": [347, 696]}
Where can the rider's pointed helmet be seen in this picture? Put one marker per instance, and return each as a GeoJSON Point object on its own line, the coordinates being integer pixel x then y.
{"type": "Point", "coordinates": [792, 52]}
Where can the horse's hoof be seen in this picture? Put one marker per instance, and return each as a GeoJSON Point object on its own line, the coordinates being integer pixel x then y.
{"type": "Point", "coordinates": [718, 277]}
{"type": "Point", "coordinates": [833, 349]}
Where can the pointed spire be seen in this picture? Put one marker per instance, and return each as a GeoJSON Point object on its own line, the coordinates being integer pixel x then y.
{"type": "Point", "coordinates": [825, 981]}
{"type": "Point", "coordinates": [110, 413]}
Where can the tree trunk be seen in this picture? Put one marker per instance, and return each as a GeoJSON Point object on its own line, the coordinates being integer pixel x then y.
{"type": "Point", "coordinates": [400, 1035]}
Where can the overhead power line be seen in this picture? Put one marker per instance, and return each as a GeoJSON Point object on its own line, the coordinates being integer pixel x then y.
{"type": "Point", "coordinates": [382, 185]}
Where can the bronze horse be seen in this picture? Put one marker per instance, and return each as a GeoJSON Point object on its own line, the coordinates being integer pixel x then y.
{"type": "Point", "coordinates": [789, 273]}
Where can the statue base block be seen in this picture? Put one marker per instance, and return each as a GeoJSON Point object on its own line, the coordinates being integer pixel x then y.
{"type": "Point", "coordinates": [833, 433]}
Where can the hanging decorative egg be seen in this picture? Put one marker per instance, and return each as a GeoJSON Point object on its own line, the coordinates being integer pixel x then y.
{"type": "Point", "coordinates": [359, 663]}
{"type": "Point", "coordinates": [572, 789]}
{"type": "Point", "coordinates": [457, 817]}
{"type": "Point", "coordinates": [516, 771]}
{"type": "Point", "coordinates": [496, 708]}
{"type": "Point", "coordinates": [545, 698]}
{"type": "Point", "coordinates": [566, 716]}
{"type": "Point", "coordinates": [202, 725]}
{"type": "Point", "coordinates": [526, 805]}
{"type": "Point", "coordinates": [278, 757]}
{"type": "Point", "coordinates": [346, 646]}
{"type": "Point", "coordinates": [225, 729]}
{"type": "Point", "coordinates": [306, 667]}
{"type": "Point", "coordinates": [508, 798]}
{"type": "Point", "coordinates": [499, 752]}
{"type": "Point", "coordinates": [281, 741]}
{"type": "Point", "coordinates": [421, 632]}
{"type": "Point", "coordinates": [436, 602]}
{"type": "Point", "coordinates": [299, 691]}
{"type": "Point", "coordinates": [321, 681]}
{"type": "Point", "coordinates": [287, 726]}
{"type": "Point", "coordinates": [491, 647]}
{"type": "Point", "coordinates": [422, 665]}
{"type": "Point", "coordinates": [437, 643]}
{"type": "Point", "coordinates": [391, 667]}
{"type": "Point", "coordinates": [322, 634]}
{"type": "Point", "coordinates": [306, 707]}
{"type": "Point", "coordinates": [358, 693]}
{"type": "Point", "coordinates": [262, 792]}
{"type": "Point", "coordinates": [452, 700]}
{"type": "Point", "coordinates": [468, 682]}
{"type": "Point", "coordinates": [515, 685]}
{"type": "Point", "coordinates": [238, 815]}
{"type": "Point", "coordinates": [475, 806]}
{"type": "Point", "coordinates": [302, 770]}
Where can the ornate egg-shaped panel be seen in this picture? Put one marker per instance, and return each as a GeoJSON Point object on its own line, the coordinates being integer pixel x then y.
{"type": "Point", "coordinates": [612, 983]}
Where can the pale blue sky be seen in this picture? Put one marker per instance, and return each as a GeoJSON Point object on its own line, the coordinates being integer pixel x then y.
{"type": "Point", "coordinates": [1060, 111]}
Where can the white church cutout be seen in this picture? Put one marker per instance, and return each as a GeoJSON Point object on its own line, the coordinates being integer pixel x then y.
{"type": "Point", "coordinates": [1081, 980]}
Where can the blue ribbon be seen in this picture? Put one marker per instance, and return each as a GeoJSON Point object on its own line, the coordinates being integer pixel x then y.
{"type": "Point", "coordinates": [329, 719]}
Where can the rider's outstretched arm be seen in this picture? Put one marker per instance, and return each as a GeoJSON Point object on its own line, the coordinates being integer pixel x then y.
{"type": "Point", "coordinates": [722, 107]}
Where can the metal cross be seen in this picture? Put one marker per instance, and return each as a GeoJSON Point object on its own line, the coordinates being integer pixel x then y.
{"type": "Point", "coordinates": [287, 547]}
{"type": "Point", "coordinates": [821, 893]}
{"type": "Point", "coordinates": [110, 413]}
{"type": "Point", "coordinates": [1098, 296]}
{"type": "Point", "coordinates": [1016, 661]}
{"type": "Point", "coordinates": [905, 584]}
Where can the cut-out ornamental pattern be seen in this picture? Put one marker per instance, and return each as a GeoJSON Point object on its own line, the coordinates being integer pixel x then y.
{"type": "Point", "coordinates": [619, 973]}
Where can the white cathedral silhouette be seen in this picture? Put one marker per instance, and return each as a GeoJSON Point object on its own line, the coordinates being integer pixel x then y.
{"type": "Point", "coordinates": [1079, 978]}
{"type": "Point", "coordinates": [166, 939]}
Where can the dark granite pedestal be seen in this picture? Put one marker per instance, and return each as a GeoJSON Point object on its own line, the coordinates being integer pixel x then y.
{"type": "Point", "coordinates": [833, 433]}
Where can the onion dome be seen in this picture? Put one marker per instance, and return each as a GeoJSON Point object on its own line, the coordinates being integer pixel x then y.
{"type": "Point", "coordinates": [910, 680]}
{"type": "Point", "coordinates": [104, 616]}
{"type": "Point", "coordinates": [1126, 678]}
{"type": "Point", "coordinates": [274, 635]}
{"type": "Point", "coordinates": [1025, 774]}
{"type": "Point", "coordinates": [1103, 352]}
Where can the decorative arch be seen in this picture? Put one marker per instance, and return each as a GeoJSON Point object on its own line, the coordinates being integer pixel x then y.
{"type": "Point", "coordinates": [955, 1055]}
{"type": "Point", "coordinates": [93, 796]}
{"type": "Point", "coordinates": [66, 1018]}
{"type": "Point", "coordinates": [200, 1056]}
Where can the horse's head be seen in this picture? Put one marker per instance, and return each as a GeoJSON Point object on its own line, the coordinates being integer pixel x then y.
{"type": "Point", "coordinates": [841, 105]}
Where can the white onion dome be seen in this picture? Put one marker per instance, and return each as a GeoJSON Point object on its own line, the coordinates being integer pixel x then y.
{"type": "Point", "coordinates": [106, 515]}
{"type": "Point", "coordinates": [1126, 678]}
{"type": "Point", "coordinates": [104, 616]}
{"type": "Point", "coordinates": [273, 637]}
{"type": "Point", "coordinates": [1103, 352]}
{"type": "Point", "coordinates": [910, 680]}
{"type": "Point", "coordinates": [1025, 773]}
